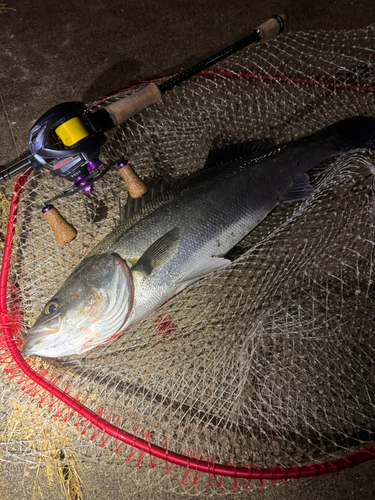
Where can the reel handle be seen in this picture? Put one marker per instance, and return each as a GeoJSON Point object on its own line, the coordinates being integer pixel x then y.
{"type": "Point", "coordinates": [62, 230]}
{"type": "Point", "coordinates": [136, 187]}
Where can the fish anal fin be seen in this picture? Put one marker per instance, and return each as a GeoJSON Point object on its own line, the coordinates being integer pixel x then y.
{"type": "Point", "coordinates": [300, 190]}
{"type": "Point", "coordinates": [158, 253]}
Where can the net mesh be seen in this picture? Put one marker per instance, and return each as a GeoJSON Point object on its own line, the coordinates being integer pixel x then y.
{"type": "Point", "coordinates": [269, 361]}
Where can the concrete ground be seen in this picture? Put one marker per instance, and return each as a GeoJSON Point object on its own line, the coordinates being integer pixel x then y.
{"type": "Point", "coordinates": [54, 51]}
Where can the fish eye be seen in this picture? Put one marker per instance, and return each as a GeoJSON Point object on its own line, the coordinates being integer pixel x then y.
{"type": "Point", "coordinates": [51, 307]}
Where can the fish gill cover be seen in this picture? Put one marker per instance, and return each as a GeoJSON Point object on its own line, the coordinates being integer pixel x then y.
{"type": "Point", "coordinates": [268, 361]}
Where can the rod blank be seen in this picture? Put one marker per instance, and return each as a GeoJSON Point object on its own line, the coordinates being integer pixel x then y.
{"type": "Point", "coordinates": [124, 109]}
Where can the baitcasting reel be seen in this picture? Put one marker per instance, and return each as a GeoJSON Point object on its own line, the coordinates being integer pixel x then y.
{"type": "Point", "coordinates": [67, 139]}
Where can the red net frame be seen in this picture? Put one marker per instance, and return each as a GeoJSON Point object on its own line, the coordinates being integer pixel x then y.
{"type": "Point", "coordinates": [34, 381]}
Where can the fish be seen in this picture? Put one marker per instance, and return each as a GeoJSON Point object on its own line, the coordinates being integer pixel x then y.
{"type": "Point", "coordinates": [182, 236]}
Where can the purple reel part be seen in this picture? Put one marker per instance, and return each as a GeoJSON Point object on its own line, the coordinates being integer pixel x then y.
{"type": "Point", "coordinates": [47, 208]}
{"type": "Point", "coordinates": [90, 166]}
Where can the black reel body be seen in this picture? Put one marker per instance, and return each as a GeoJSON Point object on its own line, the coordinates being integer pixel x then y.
{"type": "Point", "coordinates": [65, 140]}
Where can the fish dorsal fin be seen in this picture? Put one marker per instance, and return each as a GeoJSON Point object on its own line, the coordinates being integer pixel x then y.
{"type": "Point", "coordinates": [158, 253]}
{"type": "Point", "coordinates": [155, 187]}
{"type": "Point", "coordinates": [300, 190]}
{"type": "Point", "coordinates": [232, 152]}
{"type": "Point", "coordinates": [203, 269]}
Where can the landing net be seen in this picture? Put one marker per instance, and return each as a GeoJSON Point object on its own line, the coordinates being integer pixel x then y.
{"type": "Point", "coordinates": [269, 361]}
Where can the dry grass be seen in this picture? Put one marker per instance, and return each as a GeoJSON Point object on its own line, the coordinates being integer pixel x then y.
{"type": "Point", "coordinates": [4, 9]}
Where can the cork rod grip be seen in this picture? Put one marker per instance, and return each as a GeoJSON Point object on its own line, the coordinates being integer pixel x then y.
{"type": "Point", "coordinates": [62, 230]}
{"type": "Point", "coordinates": [272, 27]}
{"type": "Point", "coordinates": [135, 185]}
{"type": "Point", "coordinates": [124, 109]}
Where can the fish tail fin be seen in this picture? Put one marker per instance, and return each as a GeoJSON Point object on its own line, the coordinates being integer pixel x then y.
{"type": "Point", "coordinates": [357, 132]}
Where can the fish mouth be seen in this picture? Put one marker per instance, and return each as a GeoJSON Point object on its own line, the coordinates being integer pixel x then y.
{"type": "Point", "coordinates": [41, 336]}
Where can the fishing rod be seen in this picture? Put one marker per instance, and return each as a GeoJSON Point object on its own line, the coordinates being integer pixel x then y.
{"type": "Point", "coordinates": [66, 140]}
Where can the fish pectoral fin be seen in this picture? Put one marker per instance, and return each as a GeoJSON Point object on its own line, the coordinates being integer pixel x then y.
{"type": "Point", "coordinates": [158, 253]}
{"type": "Point", "coordinates": [203, 269]}
{"type": "Point", "coordinates": [300, 190]}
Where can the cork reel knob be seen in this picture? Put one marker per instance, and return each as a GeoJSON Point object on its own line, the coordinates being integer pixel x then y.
{"type": "Point", "coordinates": [62, 230]}
{"type": "Point", "coordinates": [137, 188]}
